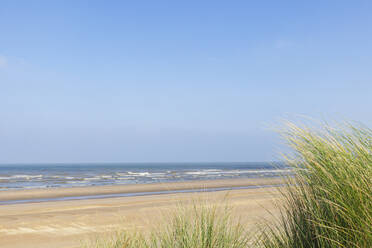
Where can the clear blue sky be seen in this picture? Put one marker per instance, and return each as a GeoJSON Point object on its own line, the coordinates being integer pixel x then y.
{"type": "Point", "coordinates": [97, 81]}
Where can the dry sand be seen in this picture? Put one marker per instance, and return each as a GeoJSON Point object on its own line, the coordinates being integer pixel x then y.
{"type": "Point", "coordinates": [59, 224]}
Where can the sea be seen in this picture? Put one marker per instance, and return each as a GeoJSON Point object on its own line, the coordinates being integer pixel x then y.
{"type": "Point", "coordinates": [31, 176]}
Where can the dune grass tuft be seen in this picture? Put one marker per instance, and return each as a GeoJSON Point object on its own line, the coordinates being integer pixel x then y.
{"type": "Point", "coordinates": [328, 203]}
{"type": "Point", "coordinates": [200, 225]}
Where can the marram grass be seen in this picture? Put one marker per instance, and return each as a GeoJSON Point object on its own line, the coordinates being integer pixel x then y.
{"type": "Point", "coordinates": [327, 203]}
{"type": "Point", "coordinates": [200, 226]}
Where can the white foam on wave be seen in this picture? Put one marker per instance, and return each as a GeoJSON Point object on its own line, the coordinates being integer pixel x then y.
{"type": "Point", "coordinates": [25, 176]}
{"type": "Point", "coordinates": [91, 178]}
{"type": "Point", "coordinates": [205, 172]}
{"type": "Point", "coordinates": [257, 171]}
{"type": "Point", "coordinates": [138, 173]}
{"type": "Point", "coordinates": [125, 178]}
{"type": "Point", "coordinates": [60, 177]}
{"type": "Point", "coordinates": [237, 172]}
{"type": "Point", "coordinates": [106, 176]}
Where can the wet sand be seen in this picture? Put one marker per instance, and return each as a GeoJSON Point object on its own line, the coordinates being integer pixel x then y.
{"type": "Point", "coordinates": [68, 223]}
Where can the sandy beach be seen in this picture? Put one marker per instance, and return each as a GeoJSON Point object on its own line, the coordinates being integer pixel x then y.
{"type": "Point", "coordinates": [59, 224]}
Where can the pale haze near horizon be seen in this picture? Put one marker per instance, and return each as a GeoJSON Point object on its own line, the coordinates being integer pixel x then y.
{"type": "Point", "coordinates": [160, 81]}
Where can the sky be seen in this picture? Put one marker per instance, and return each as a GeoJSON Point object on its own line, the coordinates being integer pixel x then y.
{"type": "Point", "coordinates": [175, 81]}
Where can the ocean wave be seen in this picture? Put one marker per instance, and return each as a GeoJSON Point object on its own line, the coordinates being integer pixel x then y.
{"type": "Point", "coordinates": [93, 178]}
{"type": "Point", "coordinates": [25, 176]}
{"type": "Point", "coordinates": [105, 176]}
{"type": "Point", "coordinates": [257, 171]}
{"type": "Point", "coordinates": [237, 172]}
{"type": "Point", "coordinates": [204, 172]}
{"type": "Point", "coordinates": [139, 173]}
{"type": "Point", "coordinates": [125, 178]}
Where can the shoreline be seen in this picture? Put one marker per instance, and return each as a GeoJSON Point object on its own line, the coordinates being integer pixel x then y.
{"type": "Point", "coordinates": [98, 192]}
{"type": "Point", "coordinates": [105, 196]}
